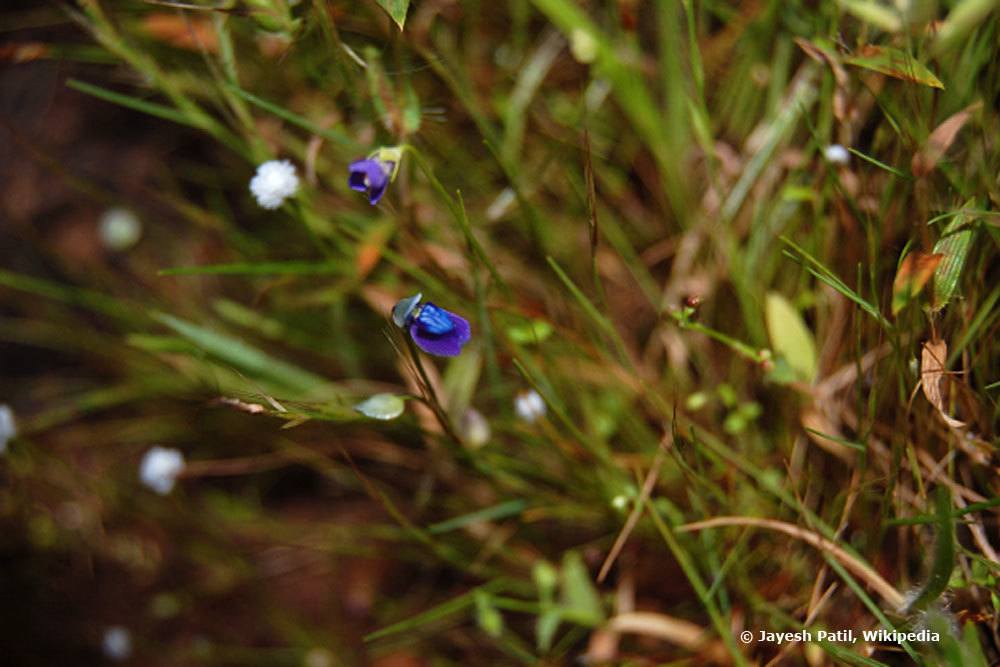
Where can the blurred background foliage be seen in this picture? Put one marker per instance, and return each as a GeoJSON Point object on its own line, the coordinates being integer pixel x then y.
{"type": "Point", "coordinates": [744, 253]}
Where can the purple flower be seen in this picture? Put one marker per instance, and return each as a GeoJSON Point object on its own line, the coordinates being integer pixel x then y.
{"type": "Point", "coordinates": [434, 330]}
{"type": "Point", "coordinates": [371, 176]}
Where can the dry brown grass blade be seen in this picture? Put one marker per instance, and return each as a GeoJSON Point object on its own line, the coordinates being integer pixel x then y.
{"type": "Point", "coordinates": [640, 505]}
{"type": "Point", "coordinates": [817, 423]}
{"type": "Point", "coordinates": [857, 567]}
{"type": "Point", "coordinates": [674, 630]}
{"type": "Point", "coordinates": [940, 140]}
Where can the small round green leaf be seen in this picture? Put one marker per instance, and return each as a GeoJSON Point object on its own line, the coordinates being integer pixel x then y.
{"type": "Point", "coordinates": [382, 406]}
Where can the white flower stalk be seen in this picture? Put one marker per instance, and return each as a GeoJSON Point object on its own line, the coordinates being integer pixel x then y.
{"type": "Point", "coordinates": [836, 154]}
{"type": "Point", "coordinates": [529, 406]}
{"type": "Point", "coordinates": [274, 182]}
{"type": "Point", "coordinates": [8, 429]}
{"type": "Point", "coordinates": [117, 643]}
{"type": "Point", "coordinates": [160, 468]}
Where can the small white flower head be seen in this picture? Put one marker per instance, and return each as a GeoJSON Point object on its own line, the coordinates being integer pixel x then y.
{"type": "Point", "coordinates": [160, 467]}
{"type": "Point", "coordinates": [274, 182]}
{"type": "Point", "coordinates": [529, 406]}
{"type": "Point", "coordinates": [119, 229]}
{"type": "Point", "coordinates": [318, 657]}
{"type": "Point", "coordinates": [836, 154]}
{"type": "Point", "coordinates": [8, 429]}
{"type": "Point", "coordinates": [117, 643]}
{"type": "Point", "coordinates": [474, 427]}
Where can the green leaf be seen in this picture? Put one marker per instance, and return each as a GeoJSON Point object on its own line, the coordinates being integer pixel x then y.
{"type": "Point", "coordinates": [327, 133]}
{"type": "Point", "coordinates": [546, 578]}
{"type": "Point", "coordinates": [385, 407]}
{"type": "Point", "coordinates": [396, 9]}
{"type": "Point", "coordinates": [494, 513]}
{"type": "Point", "coordinates": [963, 19]}
{"type": "Point", "coordinates": [954, 246]}
{"type": "Point", "coordinates": [875, 14]}
{"type": "Point", "coordinates": [487, 616]}
{"type": "Point", "coordinates": [894, 63]}
{"type": "Point", "coordinates": [822, 273]}
{"type": "Point", "coordinates": [241, 356]}
{"type": "Point", "coordinates": [944, 551]}
{"type": "Point", "coordinates": [144, 106]}
{"type": "Point", "coordinates": [545, 628]}
{"type": "Point", "coordinates": [534, 331]}
{"type": "Point", "coordinates": [437, 613]}
{"type": "Point", "coordinates": [790, 337]}
{"type": "Point", "coordinates": [460, 380]}
{"type": "Point", "coordinates": [291, 268]}
{"type": "Point", "coordinates": [579, 601]}
{"type": "Point", "coordinates": [412, 114]}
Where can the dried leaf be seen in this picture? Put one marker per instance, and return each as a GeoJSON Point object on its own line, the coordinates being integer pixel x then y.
{"type": "Point", "coordinates": [22, 52]}
{"type": "Point", "coordinates": [822, 51]}
{"type": "Point", "coordinates": [932, 372]}
{"type": "Point", "coordinates": [914, 272]}
{"type": "Point", "coordinates": [940, 140]}
{"type": "Point", "coordinates": [182, 31]}
{"type": "Point", "coordinates": [894, 63]}
{"type": "Point", "coordinates": [370, 249]}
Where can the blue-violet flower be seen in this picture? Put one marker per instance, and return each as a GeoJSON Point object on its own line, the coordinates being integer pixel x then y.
{"type": "Point", "coordinates": [374, 173]}
{"type": "Point", "coordinates": [434, 330]}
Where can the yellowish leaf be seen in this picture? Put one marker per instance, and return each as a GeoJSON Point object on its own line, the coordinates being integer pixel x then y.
{"type": "Point", "coordinates": [914, 272]}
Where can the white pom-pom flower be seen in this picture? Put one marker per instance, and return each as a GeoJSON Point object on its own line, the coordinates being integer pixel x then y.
{"type": "Point", "coordinates": [274, 182]}
{"type": "Point", "coordinates": [119, 229]}
{"type": "Point", "coordinates": [160, 468]}
{"type": "Point", "coordinates": [8, 429]}
{"type": "Point", "coordinates": [474, 428]}
{"type": "Point", "coordinates": [117, 643]}
{"type": "Point", "coordinates": [529, 406]}
{"type": "Point", "coordinates": [836, 154]}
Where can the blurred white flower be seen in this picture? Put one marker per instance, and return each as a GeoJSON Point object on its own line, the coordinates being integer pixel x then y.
{"type": "Point", "coordinates": [318, 657]}
{"type": "Point", "coordinates": [274, 182]}
{"type": "Point", "coordinates": [529, 406]}
{"type": "Point", "coordinates": [836, 154]}
{"type": "Point", "coordinates": [8, 429]}
{"type": "Point", "coordinates": [119, 229]}
{"type": "Point", "coordinates": [160, 467]}
{"type": "Point", "coordinates": [474, 427]}
{"type": "Point", "coordinates": [117, 643]}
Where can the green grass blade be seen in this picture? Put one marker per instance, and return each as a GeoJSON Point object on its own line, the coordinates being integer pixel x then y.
{"type": "Point", "coordinates": [944, 551]}
{"type": "Point", "coordinates": [494, 513]}
{"type": "Point", "coordinates": [247, 359]}
{"type": "Point", "coordinates": [290, 268]}
{"type": "Point", "coordinates": [437, 613]}
{"type": "Point", "coordinates": [151, 108]}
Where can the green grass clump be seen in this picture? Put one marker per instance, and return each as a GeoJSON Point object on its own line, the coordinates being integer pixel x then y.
{"type": "Point", "coordinates": [767, 366]}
